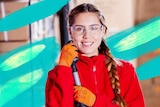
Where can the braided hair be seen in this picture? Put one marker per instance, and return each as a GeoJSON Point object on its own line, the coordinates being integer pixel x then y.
{"type": "Point", "coordinates": [109, 60]}
{"type": "Point", "coordinates": [113, 74]}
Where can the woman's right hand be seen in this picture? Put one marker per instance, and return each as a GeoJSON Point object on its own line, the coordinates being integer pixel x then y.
{"type": "Point", "coordinates": [68, 53]}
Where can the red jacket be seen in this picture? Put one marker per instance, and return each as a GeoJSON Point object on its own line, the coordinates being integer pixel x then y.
{"type": "Point", "coordinates": [94, 76]}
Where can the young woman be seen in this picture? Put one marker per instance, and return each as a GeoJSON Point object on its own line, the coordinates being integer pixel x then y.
{"type": "Point", "coordinates": [105, 81]}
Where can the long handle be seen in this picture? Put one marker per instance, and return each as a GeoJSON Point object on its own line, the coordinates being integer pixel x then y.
{"type": "Point", "coordinates": [76, 79]}
{"type": "Point", "coordinates": [75, 72]}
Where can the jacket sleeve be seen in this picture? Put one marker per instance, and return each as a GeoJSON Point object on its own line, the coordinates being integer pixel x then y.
{"type": "Point", "coordinates": [130, 87]}
{"type": "Point", "coordinates": [59, 87]}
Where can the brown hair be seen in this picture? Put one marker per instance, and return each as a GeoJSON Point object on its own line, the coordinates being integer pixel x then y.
{"type": "Point", "coordinates": [110, 62]}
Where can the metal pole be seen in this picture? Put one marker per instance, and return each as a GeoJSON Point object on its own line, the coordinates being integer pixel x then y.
{"type": "Point", "coordinates": [63, 24]}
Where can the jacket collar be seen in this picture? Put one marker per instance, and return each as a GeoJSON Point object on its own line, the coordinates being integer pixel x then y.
{"type": "Point", "coordinates": [93, 59]}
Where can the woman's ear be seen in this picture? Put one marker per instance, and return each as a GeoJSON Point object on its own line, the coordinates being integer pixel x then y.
{"type": "Point", "coordinates": [104, 32]}
{"type": "Point", "coordinates": [69, 31]}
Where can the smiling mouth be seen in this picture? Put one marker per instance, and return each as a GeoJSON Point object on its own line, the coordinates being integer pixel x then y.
{"type": "Point", "coordinates": [87, 43]}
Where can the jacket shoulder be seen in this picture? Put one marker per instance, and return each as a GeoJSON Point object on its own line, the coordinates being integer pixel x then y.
{"type": "Point", "coordinates": [125, 67]}
{"type": "Point", "coordinates": [124, 63]}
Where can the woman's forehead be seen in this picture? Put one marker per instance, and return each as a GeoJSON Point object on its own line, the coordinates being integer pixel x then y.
{"type": "Point", "coordinates": [88, 18]}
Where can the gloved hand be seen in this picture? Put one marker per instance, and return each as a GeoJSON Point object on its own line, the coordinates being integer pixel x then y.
{"type": "Point", "coordinates": [84, 96]}
{"type": "Point", "coordinates": [68, 53]}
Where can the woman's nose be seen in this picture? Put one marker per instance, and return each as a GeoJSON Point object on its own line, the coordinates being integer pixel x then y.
{"type": "Point", "coordinates": [86, 34]}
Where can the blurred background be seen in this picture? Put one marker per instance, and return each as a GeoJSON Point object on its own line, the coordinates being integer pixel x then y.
{"type": "Point", "coordinates": [29, 52]}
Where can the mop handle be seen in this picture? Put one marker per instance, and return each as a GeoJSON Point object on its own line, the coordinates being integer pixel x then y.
{"type": "Point", "coordinates": [76, 79]}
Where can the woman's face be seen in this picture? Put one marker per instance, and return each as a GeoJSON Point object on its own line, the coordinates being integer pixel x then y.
{"type": "Point", "coordinates": [87, 33]}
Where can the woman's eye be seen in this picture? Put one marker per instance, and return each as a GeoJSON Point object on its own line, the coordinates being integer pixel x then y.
{"type": "Point", "coordinates": [78, 29]}
{"type": "Point", "coordinates": [94, 28]}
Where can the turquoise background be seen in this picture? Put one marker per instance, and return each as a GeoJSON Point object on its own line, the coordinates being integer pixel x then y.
{"type": "Point", "coordinates": [23, 71]}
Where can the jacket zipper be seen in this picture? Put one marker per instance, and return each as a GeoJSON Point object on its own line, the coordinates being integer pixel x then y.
{"type": "Point", "coordinates": [95, 78]}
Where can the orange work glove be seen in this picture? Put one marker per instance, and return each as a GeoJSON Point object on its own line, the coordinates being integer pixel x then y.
{"type": "Point", "coordinates": [68, 53]}
{"type": "Point", "coordinates": [84, 96]}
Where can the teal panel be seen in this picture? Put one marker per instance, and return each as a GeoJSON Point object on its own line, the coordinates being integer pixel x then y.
{"type": "Point", "coordinates": [137, 41]}
{"type": "Point", "coordinates": [23, 73]}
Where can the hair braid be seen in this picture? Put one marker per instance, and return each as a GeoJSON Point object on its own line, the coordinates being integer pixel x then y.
{"type": "Point", "coordinates": [113, 74]}
{"type": "Point", "coordinates": [110, 62]}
